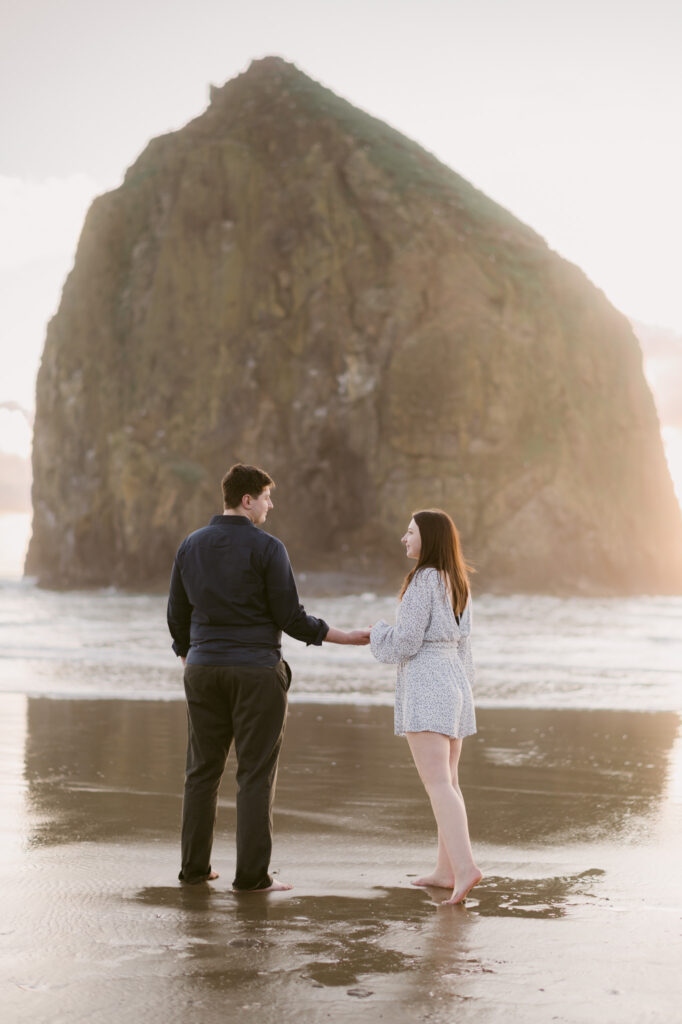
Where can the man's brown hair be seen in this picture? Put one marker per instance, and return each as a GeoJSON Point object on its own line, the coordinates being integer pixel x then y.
{"type": "Point", "coordinates": [240, 480]}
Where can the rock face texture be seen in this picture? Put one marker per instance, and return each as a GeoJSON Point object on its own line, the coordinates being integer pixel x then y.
{"type": "Point", "coordinates": [290, 282]}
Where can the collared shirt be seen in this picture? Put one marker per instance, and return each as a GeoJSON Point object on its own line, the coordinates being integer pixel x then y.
{"type": "Point", "coordinates": [232, 593]}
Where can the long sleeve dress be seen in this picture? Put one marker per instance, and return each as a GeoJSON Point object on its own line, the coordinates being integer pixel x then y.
{"type": "Point", "coordinates": [433, 653]}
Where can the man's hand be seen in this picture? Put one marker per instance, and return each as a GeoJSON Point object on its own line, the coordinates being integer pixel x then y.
{"type": "Point", "coordinates": [358, 637]}
{"type": "Point", "coordinates": [183, 660]}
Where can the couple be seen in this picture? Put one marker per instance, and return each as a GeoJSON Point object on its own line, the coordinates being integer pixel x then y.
{"type": "Point", "coordinates": [232, 592]}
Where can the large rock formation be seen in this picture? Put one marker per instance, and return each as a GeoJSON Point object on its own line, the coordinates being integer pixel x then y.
{"type": "Point", "coordinates": [290, 282]}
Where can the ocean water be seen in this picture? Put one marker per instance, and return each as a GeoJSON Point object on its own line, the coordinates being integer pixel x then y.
{"type": "Point", "coordinates": [539, 651]}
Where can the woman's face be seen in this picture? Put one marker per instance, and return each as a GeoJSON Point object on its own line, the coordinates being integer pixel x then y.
{"type": "Point", "coordinates": [412, 540]}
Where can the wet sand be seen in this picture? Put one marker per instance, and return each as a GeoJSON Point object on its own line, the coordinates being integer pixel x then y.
{"type": "Point", "coordinates": [575, 817]}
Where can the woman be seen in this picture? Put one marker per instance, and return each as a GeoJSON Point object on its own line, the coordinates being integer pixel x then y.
{"type": "Point", "coordinates": [434, 705]}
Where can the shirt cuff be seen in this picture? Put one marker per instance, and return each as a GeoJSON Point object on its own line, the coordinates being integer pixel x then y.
{"type": "Point", "coordinates": [320, 635]}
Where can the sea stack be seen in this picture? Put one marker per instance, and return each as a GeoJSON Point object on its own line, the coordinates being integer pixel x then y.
{"type": "Point", "coordinates": [290, 282]}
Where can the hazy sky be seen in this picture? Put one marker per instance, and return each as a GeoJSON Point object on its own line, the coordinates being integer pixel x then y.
{"type": "Point", "coordinates": [567, 113]}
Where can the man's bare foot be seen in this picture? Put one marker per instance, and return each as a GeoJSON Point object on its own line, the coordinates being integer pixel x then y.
{"type": "Point", "coordinates": [463, 889]}
{"type": "Point", "coordinates": [275, 887]}
{"type": "Point", "coordinates": [209, 878]}
{"type": "Point", "coordinates": [436, 880]}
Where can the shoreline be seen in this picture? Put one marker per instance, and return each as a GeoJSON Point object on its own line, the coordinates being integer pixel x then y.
{"type": "Point", "coordinates": [314, 584]}
{"type": "Point", "coordinates": [348, 699]}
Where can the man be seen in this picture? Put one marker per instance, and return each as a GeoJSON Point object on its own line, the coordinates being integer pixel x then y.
{"type": "Point", "coordinates": [232, 592]}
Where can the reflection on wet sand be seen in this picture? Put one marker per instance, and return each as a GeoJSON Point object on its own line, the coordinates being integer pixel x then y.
{"type": "Point", "coordinates": [566, 809]}
{"type": "Point", "coordinates": [103, 769]}
{"type": "Point", "coordinates": [95, 767]}
{"type": "Point", "coordinates": [343, 941]}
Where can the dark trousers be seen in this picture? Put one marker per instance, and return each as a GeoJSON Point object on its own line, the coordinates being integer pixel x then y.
{"type": "Point", "coordinates": [246, 703]}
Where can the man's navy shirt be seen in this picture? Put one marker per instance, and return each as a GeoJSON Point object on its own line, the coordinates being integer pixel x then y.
{"type": "Point", "coordinates": [232, 593]}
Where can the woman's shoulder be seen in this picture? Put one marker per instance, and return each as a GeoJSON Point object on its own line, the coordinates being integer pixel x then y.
{"type": "Point", "coordinates": [426, 577]}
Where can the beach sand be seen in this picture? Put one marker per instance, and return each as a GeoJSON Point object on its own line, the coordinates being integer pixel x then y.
{"type": "Point", "coordinates": [576, 823]}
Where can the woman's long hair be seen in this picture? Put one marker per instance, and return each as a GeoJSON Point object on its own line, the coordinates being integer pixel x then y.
{"type": "Point", "coordinates": [441, 550]}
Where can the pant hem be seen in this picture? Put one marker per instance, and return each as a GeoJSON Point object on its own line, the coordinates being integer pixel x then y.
{"type": "Point", "coordinates": [194, 881]}
{"type": "Point", "coordinates": [253, 888]}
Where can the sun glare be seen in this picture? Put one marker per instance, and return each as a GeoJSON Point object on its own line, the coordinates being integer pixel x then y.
{"type": "Point", "coordinates": [672, 442]}
{"type": "Point", "coordinates": [15, 433]}
{"type": "Point", "coordinates": [15, 533]}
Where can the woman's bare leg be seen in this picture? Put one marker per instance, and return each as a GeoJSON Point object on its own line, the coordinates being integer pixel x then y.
{"type": "Point", "coordinates": [436, 757]}
{"type": "Point", "coordinates": [443, 875]}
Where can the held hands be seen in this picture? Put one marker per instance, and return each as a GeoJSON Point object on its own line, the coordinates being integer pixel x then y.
{"type": "Point", "coordinates": [358, 637]}
{"type": "Point", "coordinates": [354, 637]}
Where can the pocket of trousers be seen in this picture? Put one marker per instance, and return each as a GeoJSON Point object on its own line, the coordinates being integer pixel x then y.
{"type": "Point", "coordinates": [284, 673]}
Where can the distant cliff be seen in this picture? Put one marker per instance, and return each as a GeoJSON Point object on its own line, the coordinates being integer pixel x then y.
{"type": "Point", "coordinates": [290, 282]}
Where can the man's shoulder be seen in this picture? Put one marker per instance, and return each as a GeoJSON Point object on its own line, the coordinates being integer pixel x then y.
{"type": "Point", "coordinates": [197, 535]}
{"type": "Point", "coordinates": [204, 535]}
{"type": "Point", "coordinates": [269, 544]}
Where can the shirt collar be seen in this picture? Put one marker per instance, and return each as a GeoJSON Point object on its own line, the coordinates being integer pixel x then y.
{"type": "Point", "coordinates": [224, 520]}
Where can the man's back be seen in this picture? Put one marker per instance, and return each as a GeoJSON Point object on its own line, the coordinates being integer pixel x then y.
{"type": "Point", "coordinates": [232, 593]}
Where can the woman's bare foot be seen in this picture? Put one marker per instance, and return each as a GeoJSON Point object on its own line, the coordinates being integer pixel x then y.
{"type": "Point", "coordinates": [275, 887]}
{"type": "Point", "coordinates": [436, 880]}
{"type": "Point", "coordinates": [464, 887]}
{"type": "Point", "coordinates": [213, 876]}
